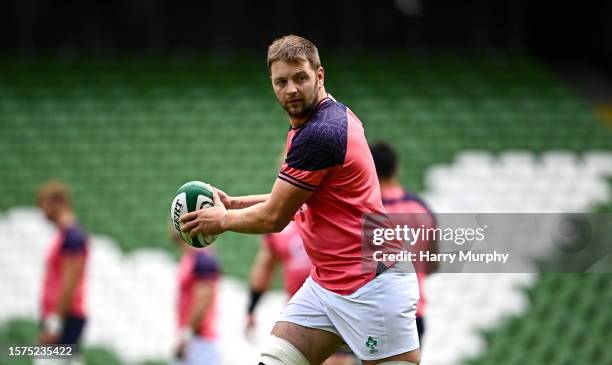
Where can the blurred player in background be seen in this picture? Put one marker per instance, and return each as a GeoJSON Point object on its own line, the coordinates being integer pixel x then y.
{"type": "Point", "coordinates": [326, 184]}
{"type": "Point", "coordinates": [287, 250]}
{"type": "Point", "coordinates": [397, 200]}
{"type": "Point", "coordinates": [198, 276]}
{"type": "Point", "coordinates": [63, 289]}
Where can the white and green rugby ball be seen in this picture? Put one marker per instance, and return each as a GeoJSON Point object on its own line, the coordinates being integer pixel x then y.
{"type": "Point", "coordinates": [192, 196]}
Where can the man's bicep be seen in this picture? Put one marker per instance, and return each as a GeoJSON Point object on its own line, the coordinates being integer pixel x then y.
{"type": "Point", "coordinates": [72, 265]}
{"type": "Point", "coordinates": [287, 198]}
{"type": "Point", "coordinates": [203, 291]}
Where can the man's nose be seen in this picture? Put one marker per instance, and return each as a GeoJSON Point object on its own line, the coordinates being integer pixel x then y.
{"type": "Point", "coordinates": [291, 87]}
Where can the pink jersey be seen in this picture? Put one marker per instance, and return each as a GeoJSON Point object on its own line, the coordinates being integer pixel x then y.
{"type": "Point", "coordinates": [396, 200]}
{"type": "Point", "coordinates": [68, 242]}
{"type": "Point", "coordinates": [197, 265]}
{"type": "Point", "coordinates": [329, 155]}
{"type": "Point", "coordinates": [287, 246]}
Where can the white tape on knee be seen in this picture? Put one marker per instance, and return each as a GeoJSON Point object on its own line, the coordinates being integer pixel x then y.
{"type": "Point", "coordinates": [398, 363]}
{"type": "Point", "coordinates": [280, 352]}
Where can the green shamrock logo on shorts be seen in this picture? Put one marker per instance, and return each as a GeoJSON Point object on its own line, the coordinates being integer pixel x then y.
{"type": "Point", "coordinates": [371, 343]}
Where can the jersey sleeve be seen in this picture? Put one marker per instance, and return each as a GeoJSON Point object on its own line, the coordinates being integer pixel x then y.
{"type": "Point", "coordinates": [314, 151]}
{"type": "Point", "coordinates": [206, 267]}
{"type": "Point", "coordinates": [75, 242]}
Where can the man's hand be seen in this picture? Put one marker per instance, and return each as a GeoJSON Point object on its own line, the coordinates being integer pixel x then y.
{"type": "Point", "coordinates": [206, 221]}
{"type": "Point", "coordinates": [179, 352]}
{"type": "Point", "coordinates": [186, 336]}
{"type": "Point", "coordinates": [51, 329]}
{"type": "Point", "coordinates": [227, 200]}
{"type": "Point", "coordinates": [47, 338]}
{"type": "Point", "coordinates": [250, 325]}
{"type": "Point", "coordinates": [249, 328]}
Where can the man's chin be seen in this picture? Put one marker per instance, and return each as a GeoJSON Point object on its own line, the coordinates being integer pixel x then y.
{"type": "Point", "coordinates": [295, 112]}
{"type": "Point", "coordinates": [298, 110]}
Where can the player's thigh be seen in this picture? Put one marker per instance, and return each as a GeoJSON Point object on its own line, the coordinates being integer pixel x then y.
{"type": "Point", "coordinates": [386, 307]}
{"type": "Point", "coordinates": [410, 356]}
{"type": "Point", "coordinates": [341, 359]}
{"type": "Point", "coordinates": [315, 344]}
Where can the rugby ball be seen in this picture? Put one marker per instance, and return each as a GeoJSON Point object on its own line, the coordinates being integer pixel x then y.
{"type": "Point", "coordinates": [192, 196]}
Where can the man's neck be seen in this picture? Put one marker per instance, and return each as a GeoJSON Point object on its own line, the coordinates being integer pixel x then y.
{"type": "Point", "coordinates": [389, 183]}
{"type": "Point", "coordinates": [297, 122]}
{"type": "Point", "coordinates": [65, 219]}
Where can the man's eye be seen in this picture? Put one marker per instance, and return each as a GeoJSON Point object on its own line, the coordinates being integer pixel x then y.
{"type": "Point", "coordinates": [281, 82]}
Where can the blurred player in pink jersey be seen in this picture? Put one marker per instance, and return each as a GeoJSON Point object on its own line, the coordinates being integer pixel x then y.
{"type": "Point", "coordinates": [326, 184]}
{"type": "Point", "coordinates": [287, 249]}
{"type": "Point", "coordinates": [284, 248]}
{"type": "Point", "coordinates": [397, 200]}
{"type": "Point", "coordinates": [63, 291]}
{"type": "Point", "coordinates": [198, 276]}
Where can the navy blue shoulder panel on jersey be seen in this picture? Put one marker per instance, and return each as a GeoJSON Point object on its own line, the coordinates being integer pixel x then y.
{"type": "Point", "coordinates": [75, 241]}
{"type": "Point", "coordinates": [321, 142]}
{"type": "Point", "coordinates": [205, 266]}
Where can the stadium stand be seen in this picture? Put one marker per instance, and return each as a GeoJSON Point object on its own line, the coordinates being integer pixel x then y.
{"type": "Point", "coordinates": [565, 323]}
{"type": "Point", "coordinates": [129, 132]}
{"type": "Point", "coordinates": [126, 134]}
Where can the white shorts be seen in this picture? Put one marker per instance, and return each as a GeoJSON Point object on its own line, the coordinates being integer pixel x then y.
{"type": "Point", "coordinates": [376, 321]}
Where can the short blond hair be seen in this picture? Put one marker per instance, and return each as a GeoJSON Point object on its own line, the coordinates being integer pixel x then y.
{"type": "Point", "coordinates": [56, 190]}
{"type": "Point", "coordinates": [293, 48]}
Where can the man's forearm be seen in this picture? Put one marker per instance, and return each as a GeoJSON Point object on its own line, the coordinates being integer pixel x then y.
{"type": "Point", "coordinates": [69, 282]}
{"type": "Point", "coordinates": [202, 297]}
{"type": "Point", "coordinates": [241, 202]}
{"type": "Point", "coordinates": [254, 219]}
{"type": "Point", "coordinates": [197, 313]}
{"type": "Point", "coordinates": [65, 300]}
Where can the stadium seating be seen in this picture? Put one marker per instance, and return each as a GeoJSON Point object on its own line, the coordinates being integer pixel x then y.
{"type": "Point", "coordinates": [127, 133]}
{"type": "Point", "coordinates": [564, 324]}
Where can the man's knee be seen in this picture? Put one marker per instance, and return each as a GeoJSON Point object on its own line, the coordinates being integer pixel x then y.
{"type": "Point", "coordinates": [398, 363]}
{"type": "Point", "coordinates": [280, 352]}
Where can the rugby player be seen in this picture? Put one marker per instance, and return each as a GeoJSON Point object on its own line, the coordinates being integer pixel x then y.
{"type": "Point", "coordinates": [416, 213]}
{"type": "Point", "coordinates": [64, 287]}
{"type": "Point", "coordinates": [326, 184]}
{"type": "Point", "coordinates": [198, 278]}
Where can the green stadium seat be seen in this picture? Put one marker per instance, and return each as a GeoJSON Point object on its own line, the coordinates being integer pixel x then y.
{"type": "Point", "coordinates": [141, 129]}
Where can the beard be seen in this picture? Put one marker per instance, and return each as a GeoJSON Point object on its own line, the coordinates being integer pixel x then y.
{"type": "Point", "coordinates": [303, 107]}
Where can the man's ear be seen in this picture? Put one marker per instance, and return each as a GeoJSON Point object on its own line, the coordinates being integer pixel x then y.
{"type": "Point", "coordinates": [321, 75]}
